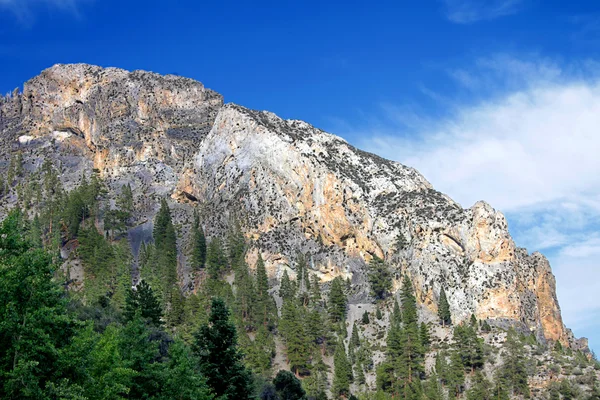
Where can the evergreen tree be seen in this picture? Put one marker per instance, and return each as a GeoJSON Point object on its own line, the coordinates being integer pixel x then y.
{"type": "Point", "coordinates": [34, 321]}
{"type": "Point", "coordinates": [442, 368]}
{"type": "Point", "coordinates": [469, 346]}
{"type": "Point", "coordinates": [215, 259]}
{"type": "Point", "coordinates": [409, 302]}
{"type": "Point", "coordinates": [266, 311]}
{"type": "Point", "coordinates": [337, 301]}
{"type": "Point", "coordinates": [182, 381]}
{"type": "Point", "coordinates": [424, 335]}
{"type": "Point", "coordinates": [342, 372]}
{"type": "Point", "coordinates": [379, 278]}
{"type": "Point", "coordinates": [365, 318]}
{"type": "Point", "coordinates": [286, 289]}
{"type": "Point", "coordinates": [396, 317]}
{"type": "Point", "coordinates": [142, 301]}
{"type": "Point", "coordinates": [315, 291]}
{"type": "Point", "coordinates": [513, 373]}
{"type": "Point", "coordinates": [198, 258]}
{"type": "Point", "coordinates": [378, 314]}
{"type": "Point", "coordinates": [444, 309]}
{"type": "Point", "coordinates": [294, 336]}
{"type": "Point", "coordinates": [125, 199]}
{"type": "Point", "coordinates": [288, 387]}
{"type": "Point", "coordinates": [481, 388]}
{"type": "Point", "coordinates": [353, 344]}
{"type": "Point", "coordinates": [433, 389]}
{"type": "Point", "coordinates": [220, 359]}
{"type": "Point", "coordinates": [456, 374]}
{"type": "Point", "coordinates": [400, 243]}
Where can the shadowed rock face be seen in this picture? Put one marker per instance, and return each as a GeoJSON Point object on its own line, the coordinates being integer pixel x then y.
{"type": "Point", "coordinates": [293, 187]}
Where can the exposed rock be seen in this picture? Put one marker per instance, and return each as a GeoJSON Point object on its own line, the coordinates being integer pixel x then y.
{"type": "Point", "coordinates": [293, 187]}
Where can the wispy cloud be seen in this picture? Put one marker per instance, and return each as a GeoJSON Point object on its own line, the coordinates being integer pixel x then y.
{"type": "Point", "coordinates": [530, 148]}
{"type": "Point", "coordinates": [470, 11]}
{"type": "Point", "coordinates": [25, 11]}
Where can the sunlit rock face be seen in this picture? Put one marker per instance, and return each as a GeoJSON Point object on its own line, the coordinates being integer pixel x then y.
{"type": "Point", "coordinates": [292, 187]}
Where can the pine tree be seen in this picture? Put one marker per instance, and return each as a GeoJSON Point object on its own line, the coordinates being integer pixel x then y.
{"type": "Point", "coordinates": [365, 318]}
{"type": "Point", "coordinates": [433, 389]}
{"type": "Point", "coordinates": [396, 317]}
{"type": "Point", "coordinates": [220, 360]}
{"type": "Point", "coordinates": [456, 374]}
{"type": "Point", "coordinates": [444, 309]}
{"type": "Point", "coordinates": [442, 367]}
{"type": "Point", "coordinates": [513, 373]}
{"type": "Point", "coordinates": [294, 336]}
{"type": "Point", "coordinates": [424, 335]}
{"type": "Point", "coordinates": [481, 388]}
{"type": "Point", "coordinates": [409, 302]}
{"type": "Point", "coordinates": [337, 301]}
{"type": "Point", "coordinates": [125, 199]}
{"type": "Point", "coordinates": [342, 372]}
{"type": "Point", "coordinates": [378, 314]}
{"type": "Point", "coordinates": [266, 311]}
{"type": "Point", "coordinates": [181, 380]}
{"type": "Point", "coordinates": [142, 301]}
{"type": "Point", "coordinates": [165, 243]}
{"type": "Point", "coordinates": [286, 289]}
{"type": "Point", "coordinates": [215, 259]}
{"type": "Point", "coordinates": [245, 295]}
{"type": "Point", "coordinates": [353, 344]}
{"type": "Point", "coordinates": [35, 324]}
{"type": "Point", "coordinates": [315, 291]}
{"type": "Point", "coordinates": [400, 243]}
{"type": "Point", "coordinates": [288, 387]}
{"type": "Point", "coordinates": [198, 258]}
{"type": "Point", "coordinates": [469, 346]}
{"type": "Point", "coordinates": [379, 278]}
{"type": "Point", "coordinates": [473, 322]}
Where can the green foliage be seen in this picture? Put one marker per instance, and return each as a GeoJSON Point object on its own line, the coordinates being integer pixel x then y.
{"type": "Point", "coordinates": [469, 346]}
{"type": "Point", "coordinates": [220, 360]}
{"type": "Point", "coordinates": [342, 372]}
{"type": "Point", "coordinates": [34, 323]}
{"type": "Point", "coordinates": [182, 381]}
{"type": "Point", "coordinates": [444, 309]}
{"type": "Point", "coordinates": [401, 242]}
{"type": "Point", "coordinates": [106, 266]}
{"type": "Point", "coordinates": [288, 387]}
{"type": "Point", "coordinates": [296, 340]}
{"type": "Point", "coordinates": [266, 310]}
{"type": "Point", "coordinates": [216, 262]}
{"type": "Point", "coordinates": [287, 290]}
{"type": "Point", "coordinates": [424, 336]}
{"type": "Point", "coordinates": [365, 318]}
{"type": "Point", "coordinates": [198, 257]}
{"type": "Point", "coordinates": [337, 301]}
{"type": "Point", "coordinates": [481, 388]}
{"type": "Point", "coordinates": [455, 375]}
{"type": "Point", "coordinates": [513, 372]}
{"type": "Point", "coordinates": [142, 301]}
{"type": "Point", "coordinates": [379, 278]}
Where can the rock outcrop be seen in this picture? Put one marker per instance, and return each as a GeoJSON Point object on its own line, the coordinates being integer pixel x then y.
{"type": "Point", "coordinates": [293, 187]}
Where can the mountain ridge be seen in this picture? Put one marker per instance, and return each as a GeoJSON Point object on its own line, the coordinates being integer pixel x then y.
{"type": "Point", "coordinates": [293, 187]}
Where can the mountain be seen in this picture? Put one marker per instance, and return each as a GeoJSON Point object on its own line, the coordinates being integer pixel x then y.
{"type": "Point", "coordinates": [293, 188]}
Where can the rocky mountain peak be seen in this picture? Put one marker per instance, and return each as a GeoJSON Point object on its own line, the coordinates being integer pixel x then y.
{"type": "Point", "coordinates": [293, 187]}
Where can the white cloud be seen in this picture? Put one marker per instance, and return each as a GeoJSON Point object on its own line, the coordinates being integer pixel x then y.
{"type": "Point", "coordinates": [470, 11]}
{"type": "Point", "coordinates": [532, 150]}
{"type": "Point", "coordinates": [25, 10]}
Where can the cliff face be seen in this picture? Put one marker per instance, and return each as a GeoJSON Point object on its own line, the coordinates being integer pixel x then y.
{"type": "Point", "coordinates": [293, 187]}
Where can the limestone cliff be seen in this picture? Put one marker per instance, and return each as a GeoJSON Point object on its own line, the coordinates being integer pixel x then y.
{"type": "Point", "coordinates": [293, 187]}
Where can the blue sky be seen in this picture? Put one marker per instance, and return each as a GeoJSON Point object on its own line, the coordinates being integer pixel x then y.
{"type": "Point", "coordinates": [490, 99]}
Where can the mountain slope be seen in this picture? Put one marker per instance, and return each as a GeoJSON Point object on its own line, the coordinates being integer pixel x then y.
{"type": "Point", "coordinates": [293, 188]}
